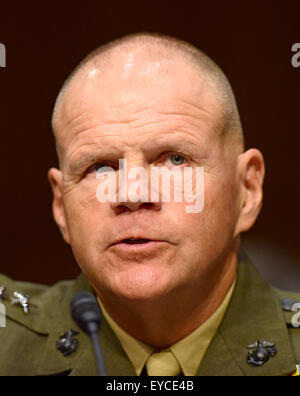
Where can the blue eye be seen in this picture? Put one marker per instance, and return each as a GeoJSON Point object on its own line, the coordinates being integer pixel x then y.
{"type": "Point", "coordinates": [177, 159]}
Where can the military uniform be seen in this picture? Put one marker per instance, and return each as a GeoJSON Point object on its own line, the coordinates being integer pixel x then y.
{"type": "Point", "coordinates": [28, 342]}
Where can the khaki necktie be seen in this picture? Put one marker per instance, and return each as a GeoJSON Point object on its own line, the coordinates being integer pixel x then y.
{"type": "Point", "coordinates": [163, 363]}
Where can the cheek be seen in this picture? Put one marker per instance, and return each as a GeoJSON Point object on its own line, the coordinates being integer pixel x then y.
{"type": "Point", "coordinates": [220, 212]}
{"type": "Point", "coordinates": [215, 225]}
{"type": "Point", "coordinates": [83, 210]}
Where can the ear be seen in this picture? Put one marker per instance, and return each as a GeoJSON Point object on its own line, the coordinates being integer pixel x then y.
{"type": "Point", "coordinates": [251, 170]}
{"type": "Point", "coordinates": [55, 178]}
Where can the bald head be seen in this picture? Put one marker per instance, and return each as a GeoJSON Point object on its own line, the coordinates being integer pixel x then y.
{"type": "Point", "coordinates": [153, 49]}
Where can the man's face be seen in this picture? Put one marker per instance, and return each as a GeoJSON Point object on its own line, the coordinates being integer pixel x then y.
{"type": "Point", "coordinates": [146, 110]}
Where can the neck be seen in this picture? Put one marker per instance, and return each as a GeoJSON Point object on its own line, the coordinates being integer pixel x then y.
{"type": "Point", "coordinates": [162, 323]}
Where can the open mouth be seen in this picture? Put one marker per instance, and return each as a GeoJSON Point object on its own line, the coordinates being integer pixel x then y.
{"type": "Point", "coordinates": [131, 247]}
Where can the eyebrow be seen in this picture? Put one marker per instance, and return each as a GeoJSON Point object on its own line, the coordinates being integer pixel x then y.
{"type": "Point", "coordinates": [185, 145]}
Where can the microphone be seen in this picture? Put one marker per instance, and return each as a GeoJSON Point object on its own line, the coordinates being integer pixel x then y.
{"type": "Point", "coordinates": [87, 315]}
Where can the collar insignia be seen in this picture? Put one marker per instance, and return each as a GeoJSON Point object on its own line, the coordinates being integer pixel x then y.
{"type": "Point", "coordinates": [264, 350]}
{"type": "Point", "coordinates": [67, 344]}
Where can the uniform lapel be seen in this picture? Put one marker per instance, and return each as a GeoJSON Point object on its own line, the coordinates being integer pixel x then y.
{"type": "Point", "coordinates": [81, 362]}
{"type": "Point", "coordinates": [254, 313]}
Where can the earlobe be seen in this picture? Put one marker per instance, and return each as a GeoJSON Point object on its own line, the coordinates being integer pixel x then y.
{"type": "Point", "coordinates": [252, 171]}
{"type": "Point", "coordinates": [55, 178]}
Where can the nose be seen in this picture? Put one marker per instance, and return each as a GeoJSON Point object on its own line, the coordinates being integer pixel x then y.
{"type": "Point", "coordinates": [120, 207]}
{"type": "Point", "coordinates": [135, 193]}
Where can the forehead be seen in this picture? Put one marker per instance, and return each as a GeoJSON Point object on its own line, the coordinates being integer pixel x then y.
{"type": "Point", "coordinates": [136, 87]}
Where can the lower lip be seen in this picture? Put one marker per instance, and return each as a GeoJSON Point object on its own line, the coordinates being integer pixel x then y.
{"type": "Point", "coordinates": [138, 247]}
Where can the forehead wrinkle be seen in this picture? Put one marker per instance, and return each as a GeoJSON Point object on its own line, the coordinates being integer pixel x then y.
{"type": "Point", "coordinates": [66, 131]}
{"type": "Point", "coordinates": [142, 121]}
{"type": "Point", "coordinates": [72, 120]}
{"type": "Point", "coordinates": [178, 125]}
{"type": "Point", "coordinates": [201, 115]}
{"type": "Point", "coordinates": [86, 126]}
{"type": "Point", "coordinates": [86, 144]}
{"type": "Point", "coordinates": [194, 107]}
{"type": "Point", "coordinates": [102, 119]}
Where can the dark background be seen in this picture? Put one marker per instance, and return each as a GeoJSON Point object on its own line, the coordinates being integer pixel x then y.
{"type": "Point", "coordinates": [250, 40]}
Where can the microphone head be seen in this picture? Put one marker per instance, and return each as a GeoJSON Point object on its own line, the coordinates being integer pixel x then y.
{"type": "Point", "coordinates": [86, 312]}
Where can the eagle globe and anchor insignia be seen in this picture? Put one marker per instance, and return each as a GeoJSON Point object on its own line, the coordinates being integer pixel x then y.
{"type": "Point", "coordinates": [67, 344]}
{"type": "Point", "coordinates": [263, 351]}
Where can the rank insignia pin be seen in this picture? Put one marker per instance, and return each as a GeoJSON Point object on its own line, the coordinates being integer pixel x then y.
{"type": "Point", "coordinates": [264, 350]}
{"type": "Point", "coordinates": [67, 344]}
{"type": "Point", "coordinates": [22, 301]}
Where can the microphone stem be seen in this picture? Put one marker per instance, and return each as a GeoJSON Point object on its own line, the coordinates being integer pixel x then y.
{"type": "Point", "coordinates": [101, 370]}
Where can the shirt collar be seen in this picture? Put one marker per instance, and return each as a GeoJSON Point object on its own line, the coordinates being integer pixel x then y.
{"type": "Point", "coordinates": [137, 352]}
{"type": "Point", "coordinates": [189, 351]}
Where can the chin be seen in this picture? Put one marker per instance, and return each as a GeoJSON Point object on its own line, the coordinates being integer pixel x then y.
{"type": "Point", "coordinates": [142, 284]}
